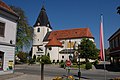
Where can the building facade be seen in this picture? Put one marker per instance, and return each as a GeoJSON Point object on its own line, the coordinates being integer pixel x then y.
{"type": "Point", "coordinates": [8, 23]}
{"type": "Point", "coordinates": [58, 44]}
{"type": "Point", "coordinates": [114, 43]}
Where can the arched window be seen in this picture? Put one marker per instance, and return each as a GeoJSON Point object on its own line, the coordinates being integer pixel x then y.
{"type": "Point", "coordinates": [38, 30]}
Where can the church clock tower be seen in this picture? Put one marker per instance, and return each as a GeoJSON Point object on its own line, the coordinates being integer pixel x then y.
{"type": "Point", "coordinates": [41, 28]}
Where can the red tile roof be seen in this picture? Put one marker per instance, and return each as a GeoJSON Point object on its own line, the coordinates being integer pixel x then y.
{"type": "Point", "coordinates": [71, 33]}
{"type": "Point", "coordinates": [54, 42]}
{"type": "Point", "coordinates": [6, 7]}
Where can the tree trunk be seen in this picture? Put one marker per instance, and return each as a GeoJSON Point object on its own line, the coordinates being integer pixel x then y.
{"type": "Point", "coordinates": [42, 71]}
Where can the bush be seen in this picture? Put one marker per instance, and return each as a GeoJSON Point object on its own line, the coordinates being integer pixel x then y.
{"type": "Point", "coordinates": [62, 65]}
{"type": "Point", "coordinates": [96, 62]}
{"type": "Point", "coordinates": [61, 61]}
{"type": "Point", "coordinates": [45, 59]}
{"type": "Point", "coordinates": [30, 61]}
{"type": "Point", "coordinates": [22, 56]}
{"type": "Point", "coordinates": [34, 57]}
{"type": "Point", "coordinates": [88, 65]}
{"type": "Point", "coordinates": [38, 59]}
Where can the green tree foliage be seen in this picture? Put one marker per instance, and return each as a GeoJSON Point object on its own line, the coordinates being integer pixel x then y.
{"type": "Point", "coordinates": [118, 9]}
{"type": "Point", "coordinates": [34, 57]}
{"type": "Point", "coordinates": [88, 50]}
{"type": "Point", "coordinates": [22, 56]}
{"type": "Point", "coordinates": [45, 59]}
{"type": "Point", "coordinates": [30, 53]}
{"type": "Point", "coordinates": [24, 31]}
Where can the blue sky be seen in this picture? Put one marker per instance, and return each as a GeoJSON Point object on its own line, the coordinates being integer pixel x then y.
{"type": "Point", "coordinates": [67, 14]}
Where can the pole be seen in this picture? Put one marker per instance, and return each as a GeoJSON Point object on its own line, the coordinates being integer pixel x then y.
{"type": "Point", "coordinates": [103, 45]}
{"type": "Point", "coordinates": [79, 73]}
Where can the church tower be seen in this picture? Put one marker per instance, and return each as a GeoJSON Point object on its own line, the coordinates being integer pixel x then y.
{"type": "Point", "coordinates": [41, 28]}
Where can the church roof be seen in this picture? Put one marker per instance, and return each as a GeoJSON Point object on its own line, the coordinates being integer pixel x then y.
{"type": "Point", "coordinates": [6, 8]}
{"type": "Point", "coordinates": [54, 43]}
{"type": "Point", "coordinates": [70, 34]}
{"type": "Point", "coordinates": [42, 19]}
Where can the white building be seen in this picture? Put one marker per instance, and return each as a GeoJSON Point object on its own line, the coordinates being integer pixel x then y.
{"type": "Point", "coordinates": [8, 24]}
{"type": "Point", "coordinates": [58, 44]}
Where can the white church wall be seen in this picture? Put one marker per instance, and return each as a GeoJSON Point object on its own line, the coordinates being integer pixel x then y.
{"type": "Point", "coordinates": [39, 36]}
{"type": "Point", "coordinates": [54, 53]}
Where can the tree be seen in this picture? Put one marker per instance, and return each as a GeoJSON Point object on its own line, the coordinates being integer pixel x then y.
{"type": "Point", "coordinates": [88, 50]}
{"type": "Point", "coordinates": [24, 31]}
{"type": "Point", "coordinates": [34, 57]}
{"type": "Point", "coordinates": [22, 56]}
{"type": "Point", "coordinates": [44, 60]}
{"type": "Point", "coordinates": [118, 10]}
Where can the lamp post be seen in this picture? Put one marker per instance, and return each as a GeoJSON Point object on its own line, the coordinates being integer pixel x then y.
{"type": "Point", "coordinates": [79, 73]}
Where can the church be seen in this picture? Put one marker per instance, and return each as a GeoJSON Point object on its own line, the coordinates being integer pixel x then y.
{"type": "Point", "coordinates": [58, 44]}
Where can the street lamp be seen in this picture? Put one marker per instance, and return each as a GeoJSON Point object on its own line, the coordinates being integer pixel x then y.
{"type": "Point", "coordinates": [79, 73]}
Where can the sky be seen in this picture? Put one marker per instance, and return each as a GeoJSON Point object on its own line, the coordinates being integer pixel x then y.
{"type": "Point", "coordinates": [67, 14]}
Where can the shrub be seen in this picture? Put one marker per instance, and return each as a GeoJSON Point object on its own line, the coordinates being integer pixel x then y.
{"type": "Point", "coordinates": [45, 59]}
{"type": "Point", "coordinates": [38, 59]}
{"type": "Point", "coordinates": [30, 61]}
{"type": "Point", "coordinates": [96, 62]}
{"type": "Point", "coordinates": [34, 57]}
{"type": "Point", "coordinates": [22, 56]}
{"type": "Point", "coordinates": [61, 61]}
{"type": "Point", "coordinates": [62, 65]}
{"type": "Point", "coordinates": [88, 65]}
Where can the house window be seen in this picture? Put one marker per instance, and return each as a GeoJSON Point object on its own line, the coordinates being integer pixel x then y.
{"type": "Point", "coordinates": [1, 60]}
{"type": "Point", "coordinates": [62, 57]}
{"type": "Point", "coordinates": [63, 42]}
{"type": "Point", "coordinates": [38, 30]}
{"type": "Point", "coordinates": [118, 40]}
{"type": "Point", "coordinates": [2, 29]}
{"type": "Point", "coordinates": [50, 48]}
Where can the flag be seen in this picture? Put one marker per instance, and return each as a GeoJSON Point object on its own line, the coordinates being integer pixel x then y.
{"type": "Point", "coordinates": [102, 56]}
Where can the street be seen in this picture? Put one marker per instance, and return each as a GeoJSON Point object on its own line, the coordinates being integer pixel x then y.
{"type": "Point", "coordinates": [53, 71]}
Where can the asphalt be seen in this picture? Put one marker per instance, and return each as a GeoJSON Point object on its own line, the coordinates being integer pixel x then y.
{"type": "Point", "coordinates": [22, 76]}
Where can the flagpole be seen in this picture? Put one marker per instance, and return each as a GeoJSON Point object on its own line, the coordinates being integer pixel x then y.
{"type": "Point", "coordinates": [102, 45]}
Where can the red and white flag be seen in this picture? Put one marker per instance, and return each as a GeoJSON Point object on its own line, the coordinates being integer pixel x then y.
{"type": "Point", "coordinates": [102, 55]}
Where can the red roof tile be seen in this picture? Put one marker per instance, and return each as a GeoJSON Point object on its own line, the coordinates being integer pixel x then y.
{"type": "Point", "coordinates": [54, 42]}
{"type": "Point", "coordinates": [71, 33]}
{"type": "Point", "coordinates": [6, 7]}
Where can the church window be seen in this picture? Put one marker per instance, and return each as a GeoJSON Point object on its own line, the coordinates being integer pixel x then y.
{"type": "Point", "coordinates": [50, 48]}
{"type": "Point", "coordinates": [62, 57]}
{"type": "Point", "coordinates": [1, 60]}
{"type": "Point", "coordinates": [63, 42]}
{"type": "Point", "coordinates": [2, 29]}
{"type": "Point", "coordinates": [38, 30]}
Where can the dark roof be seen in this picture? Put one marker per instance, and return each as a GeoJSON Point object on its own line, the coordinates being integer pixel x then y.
{"type": "Point", "coordinates": [43, 19]}
{"type": "Point", "coordinates": [114, 34]}
{"type": "Point", "coordinates": [69, 34]}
